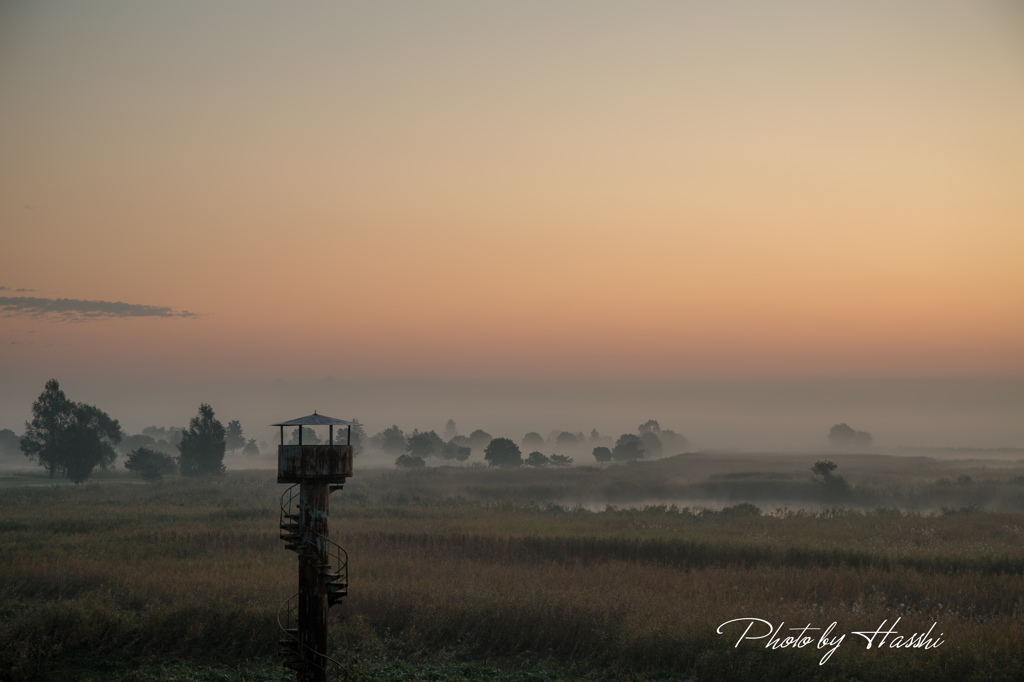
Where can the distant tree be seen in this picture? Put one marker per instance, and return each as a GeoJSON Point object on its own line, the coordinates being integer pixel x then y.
{"type": "Point", "coordinates": [462, 441]}
{"type": "Point", "coordinates": [165, 439]}
{"type": "Point", "coordinates": [502, 452]}
{"type": "Point", "coordinates": [843, 436]}
{"type": "Point", "coordinates": [202, 445]}
{"type": "Point", "coordinates": [51, 414]}
{"type": "Point", "coordinates": [649, 426]}
{"type": "Point", "coordinates": [233, 438]}
{"type": "Point", "coordinates": [825, 470]}
{"type": "Point", "coordinates": [150, 464]}
{"type": "Point", "coordinates": [533, 440]}
{"type": "Point", "coordinates": [452, 450]}
{"type": "Point", "coordinates": [309, 436]}
{"type": "Point", "coordinates": [449, 430]}
{"type": "Point", "coordinates": [602, 454]}
{"type": "Point", "coordinates": [673, 443]}
{"type": "Point", "coordinates": [628, 447]}
{"type": "Point", "coordinates": [10, 443]}
{"type": "Point", "coordinates": [425, 444]}
{"type": "Point", "coordinates": [67, 437]}
{"type": "Point", "coordinates": [561, 460]}
{"type": "Point", "coordinates": [595, 437]}
{"type": "Point", "coordinates": [410, 462]}
{"type": "Point", "coordinates": [479, 439]}
{"type": "Point", "coordinates": [358, 441]}
{"type": "Point", "coordinates": [251, 449]}
{"type": "Point", "coordinates": [566, 439]}
{"type": "Point", "coordinates": [652, 443]}
{"type": "Point", "coordinates": [170, 434]}
{"type": "Point", "coordinates": [88, 442]}
{"type": "Point", "coordinates": [536, 459]}
{"type": "Point", "coordinates": [130, 443]}
{"type": "Point", "coordinates": [391, 440]}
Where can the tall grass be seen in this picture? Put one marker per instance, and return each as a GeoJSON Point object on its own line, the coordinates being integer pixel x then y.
{"type": "Point", "coordinates": [116, 574]}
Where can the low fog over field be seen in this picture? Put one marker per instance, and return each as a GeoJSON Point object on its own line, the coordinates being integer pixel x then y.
{"type": "Point", "coordinates": [775, 415]}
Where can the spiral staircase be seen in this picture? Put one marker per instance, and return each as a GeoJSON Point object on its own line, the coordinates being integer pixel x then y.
{"type": "Point", "coordinates": [334, 573]}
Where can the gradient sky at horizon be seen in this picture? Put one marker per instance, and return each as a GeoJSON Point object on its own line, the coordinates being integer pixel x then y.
{"type": "Point", "coordinates": [513, 189]}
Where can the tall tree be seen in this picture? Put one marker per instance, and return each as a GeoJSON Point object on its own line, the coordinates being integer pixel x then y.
{"type": "Point", "coordinates": [51, 414]}
{"type": "Point", "coordinates": [69, 438]}
{"type": "Point", "coordinates": [358, 437]}
{"type": "Point", "coordinates": [202, 445]}
{"type": "Point", "coordinates": [233, 438]}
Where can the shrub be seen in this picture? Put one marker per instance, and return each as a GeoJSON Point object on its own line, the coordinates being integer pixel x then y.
{"type": "Point", "coordinates": [150, 464]}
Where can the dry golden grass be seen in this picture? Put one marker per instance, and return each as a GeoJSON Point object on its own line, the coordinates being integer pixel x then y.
{"type": "Point", "coordinates": [195, 570]}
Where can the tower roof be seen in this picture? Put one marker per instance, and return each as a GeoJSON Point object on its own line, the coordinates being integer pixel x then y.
{"type": "Point", "coordinates": [315, 420]}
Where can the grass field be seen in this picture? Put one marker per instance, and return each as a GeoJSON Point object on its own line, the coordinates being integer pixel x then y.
{"type": "Point", "coordinates": [468, 573]}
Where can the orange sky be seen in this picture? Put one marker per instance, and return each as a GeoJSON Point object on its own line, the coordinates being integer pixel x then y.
{"type": "Point", "coordinates": [459, 189]}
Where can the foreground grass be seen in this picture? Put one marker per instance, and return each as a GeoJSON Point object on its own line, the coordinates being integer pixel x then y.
{"type": "Point", "coordinates": [182, 580]}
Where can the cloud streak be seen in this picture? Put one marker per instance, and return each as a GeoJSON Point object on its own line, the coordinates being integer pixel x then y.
{"type": "Point", "coordinates": [78, 310]}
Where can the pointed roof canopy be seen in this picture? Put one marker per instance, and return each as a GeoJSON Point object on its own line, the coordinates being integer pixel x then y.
{"type": "Point", "coordinates": [315, 420]}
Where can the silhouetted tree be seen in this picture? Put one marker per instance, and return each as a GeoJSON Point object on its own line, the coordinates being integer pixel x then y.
{"type": "Point", "coordinates": [566, 439]}
{"type": "Point", "coordinates": [10, 443]}
{"type": "Point", "coordinates": [425, 444]}
{"type": "Point", "coordinates": [87, 442]}
{"type": "Point", "coordinates": [825, 470]}
{"type": "Point", "coordinates": [358, 437]}
{"type": "Point", "coordinates": [502, 452]}
{"type": "Point", "coordinates": [134, 442]}
{"type": "Point", "coordinates": [533, 440]}
{"type": "Point", "coordinates": [479, 438]}
{"type": "Point", "coordinates": [51, 414]}
{"type": "Point", "coordinates": [202, 445]}
{"type": "Point", "coordinates": [652, 444]}
{"type": "Point", "coordinates": [449, 430]}
{"type": "Point", "coordinates": [672, 442]}
{"type": "Point", "coordinates": [150, 464]}
{"type": "Point", "coordinates": [391, 440]}
{"type": "Point", "coordinates": [602, 454]}
{"type": "Point", "coordinates": [67, 437]}
{"type": "Point", "coordinates": [843, 436]}
{"type": "Point", "coordinates": [410, 462]}
{"type": "Point", "coordinates": [649, 426]}
{"type": "Point", "coordinates": [628, 447]}
{"type": "Point", "coordinates": [561, 460]}
{"type": "Point", "coordinates": [233, 438]}
{"type": "Point", "coordinates": [536, 459]}
{"type": "Point", "coordinates": [251, 449]}
{"type": "Point", "coordinates": [309, 436]}
{"type": "Point", "coordinates": [462, 441]}
{"type": "Point", "coordinates": [452, 450]}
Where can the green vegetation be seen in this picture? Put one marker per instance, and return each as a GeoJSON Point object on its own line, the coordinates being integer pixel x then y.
{"type": "Point", "coordinates": [480, 573]}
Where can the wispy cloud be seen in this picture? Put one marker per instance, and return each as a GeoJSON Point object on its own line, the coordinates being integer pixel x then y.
{"type": "Point", "coordinates": [78, 310]}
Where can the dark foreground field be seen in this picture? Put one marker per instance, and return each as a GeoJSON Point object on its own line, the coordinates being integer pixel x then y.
{"type": "Point", "coordinates": [525, 575]}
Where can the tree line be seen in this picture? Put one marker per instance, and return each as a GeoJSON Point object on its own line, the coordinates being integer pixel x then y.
{"type": "Point", "coordinates": [71, 439]}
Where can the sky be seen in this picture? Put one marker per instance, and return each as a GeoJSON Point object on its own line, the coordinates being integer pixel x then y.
{"type": "Point", "coordinates": [231, 194]}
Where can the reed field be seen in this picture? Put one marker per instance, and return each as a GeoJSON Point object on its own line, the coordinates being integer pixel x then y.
{"type": "Point", "coordinates": [615, 573]}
